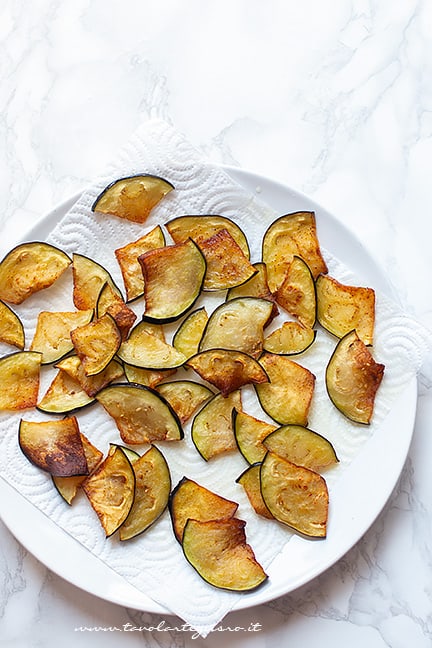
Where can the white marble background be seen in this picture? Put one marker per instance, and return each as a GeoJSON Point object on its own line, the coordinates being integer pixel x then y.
{"type": "Point", "coordinates": [333, 99]}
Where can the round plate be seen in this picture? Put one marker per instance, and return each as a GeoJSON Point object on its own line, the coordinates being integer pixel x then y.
{"type": "Point", "coordinates": [358, 497]}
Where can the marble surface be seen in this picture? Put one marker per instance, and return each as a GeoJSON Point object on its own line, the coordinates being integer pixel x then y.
{"type": "Point", "coordinates": [335, 104]}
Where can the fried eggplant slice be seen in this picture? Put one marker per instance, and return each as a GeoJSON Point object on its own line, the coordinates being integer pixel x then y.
{"type": "Point", "coordinates": [353, 378]}
{"type": "Point", "coordinates": [227, 265]}
{"type": "Point", "coordinates": [192, 500]}
{"type": "Point", "coordinates": [110, 490]}
{"type": "Point", "coordinates": [64, 395]}
{"type": "Point", "coordinates": [28, 268]}
{"type": "Point", "coordinates": [343, 308]}
{"type": "Point", "coordinates": [54, 446]}
{"type": "Point", "coordinates": [127, 257]}
{"type": "Point", "coordinates": [295, 495]}
{"type": "Point", "coordinates": [173, 279]}
{"type": "Point", "coordinates": [19, 380]}
{"type": "Point", "coordinates": [219, 552]}
{"type": "Point", "coordinates": [296, 294]}
{"type": "Point", "coordinates": [152, 490]}
{"type": "Point", "coordinates": [249, 433]}
{"type": "Point", "coordinates": [287, 397]}
{"type": "Point", "coordinates": [89, 277]}
{"type": "Point", "coordinates": [288, 236]}
{"type": "Point", "coordinates": [200, 228]}
{"type": "Point", "coordinates": [289, 339]}
{"type": "Point", "coordinates": [227, 370]}
{"type": "Point", "coordinates": [144, 349]}
{"type": "Point", "coordinates": [188, 336]}
{"type": "Point", "coordinates": [96, 344]}
{"type": "Point", "coordinates": [110, 302]}
{"type": "Point", "coordinates": [238, 325]}
{"type": "Point", "coordinates": [11, 327]}
{"type": "Point", "coordinates": [72, 365]}
{"type": "Point", "coordinates": [147, 377]}
{"type": "Point", "coordinates": [132, 197]}
{"type": "Point", "coordinates": [185, 396]}
{"type": "Point", "coordinates": [251, 482]}
{"type": "Point", "coordinates": [140, 413]}
{"type": "Point", "coordinates": [68, 486]}
{"type": "Point", "coordinates": [212, 428]}
{"type": "Point", "coordinates": [256, 286]}
{"type": "Point", "coordinates": [52, 335]}
{"type": "Point", "coordinates": [301, 446]}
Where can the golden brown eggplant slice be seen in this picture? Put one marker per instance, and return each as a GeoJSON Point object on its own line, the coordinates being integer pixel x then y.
{"type": "Point", "coordinates": [89, 277]}
{"type": "Point", "coordinates": [111, 490]}
{"type": "Point", "coordinates": [19, 380]}
{"type": "Point", "coordinates": [96, 343]}
{"type": "Point", "coordinates": [152, 490]}
{"type": "Point", "coordinates": [227, 369]}
{"type": "Point", "coordinates": [54, 446]}
{"type": "Point", "coordinates": [238, 325]}
{"type": "Point", "coordinates": [28, 268]}
{"type": "Point", "coordinates": [212, 428]}
{"type": "Point", "coordinates": [289, 339]}
{"type": "Point", "coordinates": [288, 236]}
{"type": "Point", "coordinates": [296, 294]}
{"type": "Point", "coordinates": [68, 486]}
{"type": "Point", "coordinates": [287, 396]}
{"type": "Point", "coordinates": [219, 552]}
{"type": "Point", "coordinates": [90, 384]}
{"type": "Point", "coordinates": [188, 336]}
{"type": "Point", "coordinates": [192, 500]}
{"type": "Point", "coordinates": [251, 482]}
{"type": "Point", "coordinates": [146, 350]}
{"type": "Point", "coordinates": [110, 302]}
{"type": "Point", "coordinates": [249, 433]}
{"type": "Point", "coordinates": [301, 446]}
{"type": "Point", "coordinates": [11, 327]}
{"type": "Point", "coordinates": [256, 286]}
{"type": "Point", "coordinates": [52, 336]}
{"type": "Point", "coordinates": [127, 257]}
{"type": "Point", "coordinates": [184, 396]}
{"type": "Point", "coordinates": [199, 228]}
{"type": "Point", "coordinates": [295, 495]}
{"type": "Point", "coordinates": [132, 197]}
{"type": "Point", "coordinates": [173, 279]}
{"type": "Point", "coordinates": [227, 265]}
{"type": "Point", "coordinates": [141, 414]}
{"type": "Point", "coordinates": [147, 377]}
{"type": "Point", "coordinates": [63, 395]}
{"type": "Point", "coordinates": [343, 308]}
{"type": "Point", "coordinates": [353, 378]}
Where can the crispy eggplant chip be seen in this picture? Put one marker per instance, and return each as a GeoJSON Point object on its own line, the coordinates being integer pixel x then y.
{"type": "Point", "coordinates": [72, 365]}
{"type": "Point", "coordinates": [52, 337]}
{"type": "Point", "coordinates": [227, 265]}
{"type": "Point", "coordinates": [188, 336]}
{"type": "Point", "coordinates": [173, 279]}
{"type": "Point", "coordinates": [296, 294]}
{"type": "Point", "coordinates": [68, 486]}
{"type": "Point", "coordinates": [110, 490]}
{"type": "Point", "coordinates": [288, 236]}
{"type": "Point", "coordinates": [343, 308]}
{"type": "Point", "coordinates": [140, 413]}
{"type": "Point", "coordinates": [295, 495]}
{"type": "Point", "coordinates": [64, 395]}
{"type": "Point", "coordinates": [301, 446]}
{"type": "Point", "coordinates": [218, 551]}
{"type": "Point", "coordinates": [54, 446]}
{"type": "Point", "coordinates": [11, 327]}
{"type": "Point", "coordinates": [251, 482]}
{"type": "Point", "coordinates": [289, 339]}
{"type": "Point", "coordinates": [19, 380]}
{"type": "Point", "coordinates": [152, 490]}
{"type": "Point", "coordinates": [256, 286]}
{"type": "Point", "coordinates": [28, 268]}
{"type": "Point", "coordinates": [144, 349]}
{"type": "Point", "coordinates": [249, 433]}
{"type": "Point", "coordinates": [192, 500]}
{"type": "Point", "coordinates": [133, 197]}
{"type": "Point", "coordinates": [238, 325]}
{"type": "Point", "coordinates": [109, 301]}
{"type": "Point", "coordinates": [200, 228]}
{"type": "Point", "coordinates": [96, 344]}
{"type": "Point", "coordinates": [89, 277]}
{"type": "Point", "coordinates": [287, 396]}
{"type": "Point", "coordinates": [127, 257]}
{"type": "Point", "coordinates": [185, 396]}
{"type": "Point", "coordinates": [212, 428]}
{"type": "Point", "coordinates": [147, 377]}
{"type": "Point", "coordinates": [353, 378]}
{"type": "Point", "coordinates": [227, 370]}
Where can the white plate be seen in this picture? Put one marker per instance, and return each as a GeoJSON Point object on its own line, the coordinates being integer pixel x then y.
{"type": "Point", "coordinates": [356, 500]}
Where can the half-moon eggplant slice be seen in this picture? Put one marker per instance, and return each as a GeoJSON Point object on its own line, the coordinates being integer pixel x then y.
{"type": "Point", "coordinates": [19, 380]}
{"type": "Point", "coordinates": [11, 327]}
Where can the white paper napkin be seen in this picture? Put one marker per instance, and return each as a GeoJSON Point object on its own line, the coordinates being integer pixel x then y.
{"type": "Point", "coordinates": [153, 562]}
